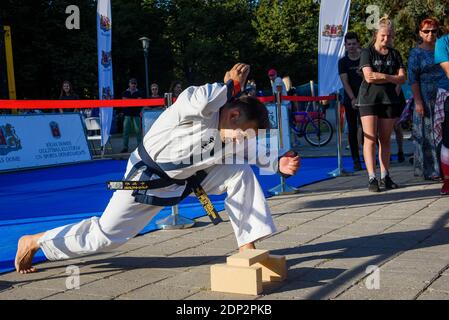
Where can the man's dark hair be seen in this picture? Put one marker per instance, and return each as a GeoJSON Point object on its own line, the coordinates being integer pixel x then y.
{"type": "Point", "coordinates": [252, 110]}
{"type": "Point", "coordinates": [351, 36]}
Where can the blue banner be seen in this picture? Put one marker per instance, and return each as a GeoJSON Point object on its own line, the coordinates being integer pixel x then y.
{"type": "Point", "coordinates": [105, 82]}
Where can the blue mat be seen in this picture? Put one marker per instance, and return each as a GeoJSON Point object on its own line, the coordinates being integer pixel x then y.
{"type": "Point", "coordinates": [37, 200]}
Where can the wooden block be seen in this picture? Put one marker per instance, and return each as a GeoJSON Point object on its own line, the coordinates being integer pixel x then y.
{"type": "Point", "coordinates": [274, 268]}
{"type": "Point", "coordinates": [234, 279]}
{"type": "Point", "coordinates": [247, 257]}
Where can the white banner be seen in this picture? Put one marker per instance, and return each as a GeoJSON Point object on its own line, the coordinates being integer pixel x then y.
{"type": "Point", "coordinates": [41, 139]}
{"type": "Point", "coordinates": [105, 82]}
{"type": "Point", "coordinates": [334, 16]}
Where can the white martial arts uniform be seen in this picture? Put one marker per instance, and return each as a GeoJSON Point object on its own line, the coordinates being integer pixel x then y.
{"type": "Point", "coordinates": [189, 125]}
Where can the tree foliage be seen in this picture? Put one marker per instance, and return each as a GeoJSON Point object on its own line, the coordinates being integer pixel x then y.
{"type": "Point", "coordinates": [194, 41]}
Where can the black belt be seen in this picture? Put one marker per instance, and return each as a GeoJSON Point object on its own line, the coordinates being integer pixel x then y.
{"type": "Point", "coordinates": [150, 167]}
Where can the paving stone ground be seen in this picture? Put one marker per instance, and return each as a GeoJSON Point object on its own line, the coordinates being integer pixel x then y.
{"type": "Point", "coordinates": [330, 233]}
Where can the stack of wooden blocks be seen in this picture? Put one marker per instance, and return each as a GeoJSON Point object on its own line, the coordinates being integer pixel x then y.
{"type": "Point", "coordinates": [246, 271]}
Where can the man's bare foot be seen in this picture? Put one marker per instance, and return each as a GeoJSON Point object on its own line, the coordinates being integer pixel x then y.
{"type": "Point", "coordinates": [26, 249]}
{"type": "Point", "coordinates": [247, 246]}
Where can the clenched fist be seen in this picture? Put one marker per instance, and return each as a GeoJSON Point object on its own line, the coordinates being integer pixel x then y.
{"type": "Point", "coordinates": [239, 73]}
{"type": "Point", "coordinates": [289, 163]}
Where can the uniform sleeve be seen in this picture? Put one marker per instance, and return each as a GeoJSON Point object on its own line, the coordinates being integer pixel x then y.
{"type": "Point", "coordinates": [441, 51]}
{"type": "Point", "coordinates": [413, 68]}
{"type": "Point", "coordinates": [201, 101]}
{"type": "Point", "coordinates": [365, 59]}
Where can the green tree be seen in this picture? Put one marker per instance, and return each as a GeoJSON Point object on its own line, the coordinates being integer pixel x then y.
{"type": "Point", "coordinates": [287, 37]}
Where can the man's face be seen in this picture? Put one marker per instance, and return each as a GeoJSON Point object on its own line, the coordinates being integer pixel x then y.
{"type": "Point", "coordinates": [154, 90]}
{"type": "Point", "coordinates": [234, 128]}
{"type": "Point", "coordinates": [352, 45]}
{"type": "Point", "coordinates": [177, 89]}
{"type": "Point", "coordinates": [133, 85]}
{"type": "Point", "coordinates": [272, 76]}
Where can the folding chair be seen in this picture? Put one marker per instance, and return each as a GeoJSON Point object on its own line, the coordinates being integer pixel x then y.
{"type": "Point", "coordinates": [93, 130]}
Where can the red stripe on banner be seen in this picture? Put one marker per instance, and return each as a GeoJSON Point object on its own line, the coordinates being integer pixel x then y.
{"type": "Point", "coordinates": [79, 104]}
{"type": "Point", "coordinates": [121, 103]}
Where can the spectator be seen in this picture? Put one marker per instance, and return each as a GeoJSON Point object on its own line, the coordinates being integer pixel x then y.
{"type": "Point", "coordinates": [424, 76]}
{"type": "Point", "coordinates": [379, 101]}
{"type": "Point", "coordinates": [176, 88]}
{"type": "Point", "coordinates": [442, 57]}
{"type": "Point", "coordinates": [131, 115]}
{"type": "Point", "coordinates": [154, 91]}
{"type": "Point", "coordinates": [351, 77]}
{"type": "Point", "coordinates": [67, 93]}
{"type": "Point", "coordinates": [275, 80]}
{"type": "Point", "coordinates": [292, 107]}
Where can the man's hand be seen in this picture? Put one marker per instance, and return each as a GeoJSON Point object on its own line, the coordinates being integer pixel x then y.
{"type": "Point", "coordinates": [239, 72]}
{"type": "Point", "coordinates": [289, 163]}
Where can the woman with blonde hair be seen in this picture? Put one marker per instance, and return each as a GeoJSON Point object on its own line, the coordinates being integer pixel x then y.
{"type": "Point", "coordinates": [379, 101]}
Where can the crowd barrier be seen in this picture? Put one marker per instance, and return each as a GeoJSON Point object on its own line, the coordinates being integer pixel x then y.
{"type": "Point", "coordinates": [167, 101]}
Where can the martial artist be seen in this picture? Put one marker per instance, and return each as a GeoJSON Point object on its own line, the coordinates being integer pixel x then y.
{"type": "Point", "coordinates": [203, 119]}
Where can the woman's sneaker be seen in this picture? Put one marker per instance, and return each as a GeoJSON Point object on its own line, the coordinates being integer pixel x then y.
{"type": "Point", "coordinates": [388, 184]}
{"type": "Point", "coordinates": [373, 185]}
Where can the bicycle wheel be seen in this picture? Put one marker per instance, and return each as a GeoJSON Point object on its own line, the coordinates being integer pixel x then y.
{"type": "Point", "coordinates": [318, 132]}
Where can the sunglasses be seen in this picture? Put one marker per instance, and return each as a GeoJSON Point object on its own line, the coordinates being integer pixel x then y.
{"type": "Point", "coordinates": [434, 31]}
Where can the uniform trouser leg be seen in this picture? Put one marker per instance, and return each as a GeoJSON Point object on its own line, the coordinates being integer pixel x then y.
{"type": "Point", "coordinates": [124, 218]}
{"type": "Point", "coordinates": [245, 203]}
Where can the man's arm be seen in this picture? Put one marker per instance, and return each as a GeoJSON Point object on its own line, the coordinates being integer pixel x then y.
{"type": "Point", "coordinates": [345, 80]}
{"type": "Point", "coordinates": [206, 100]}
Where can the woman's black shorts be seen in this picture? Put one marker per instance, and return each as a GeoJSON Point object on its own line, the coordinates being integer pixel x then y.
{"type": "Point", "coordinates": [382, 111]}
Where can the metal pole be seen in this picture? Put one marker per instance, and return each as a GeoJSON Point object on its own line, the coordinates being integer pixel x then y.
{"type": "Point", "coordinates": [280, 138]}
{"type": "Point", "coordinates": [312, 93]}
{"type": "Point", "coordinates": [283, 188]}
{"type": "Point", "coordinates": [339, 171]}
{"type": "Point", "coordinates": [173, 221]}
{"type": "Point", "coordinates": [145, 52]}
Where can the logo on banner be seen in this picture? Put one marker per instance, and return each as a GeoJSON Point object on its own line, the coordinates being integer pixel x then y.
{"type": "Point", "coordinates": [106, 58]}
{"type": "Point", "coordinates": [105, 23]}
{"type": "Point", "coordinates": [333, 31]}
{"type": "Point", "coordinates": [106, 93]}
{"type": "Point", "coordinates": [55, 132]}
{"type": "Point", "coordinates": [9, 141]}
